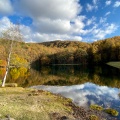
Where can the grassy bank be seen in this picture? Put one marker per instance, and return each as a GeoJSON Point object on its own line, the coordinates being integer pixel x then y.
{"type": "Point", "coordinates": [27, 104]}
{"type": "Point", "coordinates": [114, 64]}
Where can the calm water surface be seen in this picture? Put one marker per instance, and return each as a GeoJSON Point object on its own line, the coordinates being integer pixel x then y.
{"type": "Point", "coordinates": [84, 85]}
{"type": "Point", "coordinates": [87, 94]}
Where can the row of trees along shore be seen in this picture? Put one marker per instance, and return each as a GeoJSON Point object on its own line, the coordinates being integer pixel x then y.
{"type": "Point", "coordinates": [61, 52]}
{"type": "Point", "coordinates": [15, 52]}
{"type": "Point", "coordinates": [98, 52]}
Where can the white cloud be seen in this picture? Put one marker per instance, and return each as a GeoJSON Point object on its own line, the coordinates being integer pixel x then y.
{"type": "Point", "coordinates": [100, 30]}
{"type": "Point", "coordinates": [33, 36]}
{"type": "Point", "coordinates": [76, 29]}
{"type": "Point", "coordinates": [89, 7]}
{"type": "Point", "coordinates": [38, 37]}
{"type": "Point", "coordinates": [108, 2]}
{"type": "Point", "coordinates": [5, 7]}
{"type": "Point", "coordinates": [54, 19]}
{"type": "Point", "coordinates": [102, 20]}
{"type": "Point", "coordinates": [117, 4]}
{"type": "Point", "coordinates": [111, 28]}
{"type": "Point", "coordinates": [94, 6]}
{"type": "Point", "coordinates": [58, 19]}
{"type": "Point", "coordinates": [95, 2]}
{"type": "Point", "coordinates": [96, 32]}
{"type": "Point", "coordinates": [52, 26]}
{"type": "Point", "coordinates": [4, 24]}
{"type": "Point", "coordinates": [78, 25]}
{"type": "Point", "coordinates": [100, 33]}
{"type": "Point", "coordinates": [108, 13]}
{"type": "Point", "coordinates": [85, 94]}
{"type": "Point", "coordinates": [52, 9]}
{"type": "Point", "coordinates": [91, 21]}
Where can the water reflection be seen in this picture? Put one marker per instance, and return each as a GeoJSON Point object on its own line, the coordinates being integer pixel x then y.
{"type": "Point", "coordinates": [84, 85]}
{"type": "Point", "coordinates": [86, 94]}
{"type": "Point", "coordinates": [64, 76]}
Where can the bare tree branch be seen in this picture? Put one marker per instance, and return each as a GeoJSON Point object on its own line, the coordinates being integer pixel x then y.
{"type": "Point", "coordinates": [13, 34]}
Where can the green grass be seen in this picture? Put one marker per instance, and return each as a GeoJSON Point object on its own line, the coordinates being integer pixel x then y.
{"type": "Point", "coordinates": [114, 64]}
{"type": "Point", "coordinates": [96, 107]}
{"type": "Point", "coordinates": [111, 111]}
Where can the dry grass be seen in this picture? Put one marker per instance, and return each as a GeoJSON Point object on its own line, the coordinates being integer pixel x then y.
{"type": "Point", "coordinates": [114, 64]}
{"type": "Point", "coordinates": [28, 104]}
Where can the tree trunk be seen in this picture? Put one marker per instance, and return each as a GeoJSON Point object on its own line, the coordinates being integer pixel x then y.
{"type": "Point", "coordinates": [8, 63]}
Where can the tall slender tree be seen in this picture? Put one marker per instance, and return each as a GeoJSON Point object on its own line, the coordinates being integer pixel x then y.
{"type": "Point", "coordinates": [12, 34]}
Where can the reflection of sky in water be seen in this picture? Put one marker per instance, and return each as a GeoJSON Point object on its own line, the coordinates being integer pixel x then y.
{"type": "Point", "coordinates": [88, 93]}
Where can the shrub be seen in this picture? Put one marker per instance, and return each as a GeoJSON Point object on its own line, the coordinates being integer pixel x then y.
{"type": "Point", "coordinates": [93, 117]}
{"type": "Point", "coordinates": [96, 107]}
{"type": "Point", "coordinates": [111, 111]}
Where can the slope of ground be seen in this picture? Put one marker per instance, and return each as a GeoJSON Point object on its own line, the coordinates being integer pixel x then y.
{"type": "Point", "coordinates": [29, 104]}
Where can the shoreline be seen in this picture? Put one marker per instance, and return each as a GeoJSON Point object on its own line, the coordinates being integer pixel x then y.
{"type": "Point", "coordinates": [26, 104]}
{"type": "Point", "coordinates": [115, 64]}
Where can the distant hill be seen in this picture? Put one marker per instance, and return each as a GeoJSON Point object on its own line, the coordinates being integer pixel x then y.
{"type": "Point", "coordinates": [62, 52]}
{"type": "Point", "coordinates": [65, 44]}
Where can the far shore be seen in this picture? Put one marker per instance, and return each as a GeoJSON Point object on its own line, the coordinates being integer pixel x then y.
{"type": "Point", "coordinates": [115, 64]}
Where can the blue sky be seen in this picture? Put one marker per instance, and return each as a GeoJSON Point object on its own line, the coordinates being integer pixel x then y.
{"type": "Point", "coordinates": [47, 20]}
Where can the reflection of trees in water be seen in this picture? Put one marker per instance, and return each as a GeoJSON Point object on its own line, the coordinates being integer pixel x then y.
{"type": "Point", "coordinates": [18, 75]}
{"type": "Point", "coordinates": [105, 75]}
{"type": "Point", "coordinates": [65, 75]}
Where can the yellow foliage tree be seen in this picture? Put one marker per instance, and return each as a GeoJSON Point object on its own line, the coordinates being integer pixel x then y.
{"type": "Point", "coordinates": [14, 73]}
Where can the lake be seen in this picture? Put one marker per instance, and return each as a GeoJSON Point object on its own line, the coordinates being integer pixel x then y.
{"type": "Point", "coordinates": [84, 85]}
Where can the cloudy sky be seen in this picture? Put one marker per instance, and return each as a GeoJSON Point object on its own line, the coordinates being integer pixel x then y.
{"type": "Point", "coordinates": [47, 20]}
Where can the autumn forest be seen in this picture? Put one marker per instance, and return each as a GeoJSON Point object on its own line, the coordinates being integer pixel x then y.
{"type": "Point", "coordinates": [60, 52]}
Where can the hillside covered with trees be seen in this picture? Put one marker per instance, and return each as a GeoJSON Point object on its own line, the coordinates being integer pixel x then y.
{"type": "Point", "coordinates": [60, 52]}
